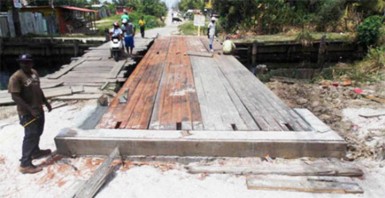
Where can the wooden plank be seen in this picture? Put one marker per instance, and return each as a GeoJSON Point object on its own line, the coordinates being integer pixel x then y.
{"type": "Point", "coordinates": [304, 185]}
{"type": "Point", "coordinates": [6, 100]}
{"type": "Point", "coordinates": [65, 70]}
{"type": "Point", "coordinates": [116, 69]}
{"type": "Point", "coordinates": [202, 54]}
{"type": "Point", "coordinates": [57, 91]}
{"type": "Point", "coordinates": [277, 107]}
{"type": "Point", "coordinates": [325, 170]}
{"type": "Point", "coordinates": [119, 112]}
{"type": "Point", "coordinates": [48, 84]}
{"type": "Point", "coordinates": [221, 110]}
{"type": "Point", "coordinates": [252, 100]}
{"type": "Point", "coordinates": [92, 185]}
{"type": "Point", "coordinates": [79, 97]}
{"type": "Point", "coordinates": [313, 121]}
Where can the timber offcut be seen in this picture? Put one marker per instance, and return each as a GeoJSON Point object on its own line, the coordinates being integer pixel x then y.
{"type": "Point", "coordinates": [182, 100]}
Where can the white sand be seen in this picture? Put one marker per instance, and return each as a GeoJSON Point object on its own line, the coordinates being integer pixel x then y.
{"type": "Point", "coordinates": [155, 180]}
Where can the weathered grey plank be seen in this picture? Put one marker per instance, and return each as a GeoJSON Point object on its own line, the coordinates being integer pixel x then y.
{"type": "Point", "coordinates": [79, 97]}
{"type": "Point", "coordinates": [202, 54]}
{"type": "Point", "coordinates": [292, 170]}
{"type": "Point", "coordinates": [304, 185]}
{"type": "Point", "coordinates": [65, 70]}
{"type": "Point", "coordinates": [313, 121]}
{"type": "Point", "coordinates": [116, 69]}
{"type": "Point", "coordinates": [92, 185]}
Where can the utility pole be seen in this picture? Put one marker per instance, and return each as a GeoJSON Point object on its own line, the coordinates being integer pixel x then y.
{"type": "Point", "coordinates": [15, 16]}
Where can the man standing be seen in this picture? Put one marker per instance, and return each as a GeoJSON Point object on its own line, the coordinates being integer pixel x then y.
{"type": "Point", "coordinates": [24, 86]}
{"type": "Point", "coordinates": [142, 24]}
{"type": "Point", "coordinates": [129, 33]}
{"type": "Point", "coordinates": [211, 33]}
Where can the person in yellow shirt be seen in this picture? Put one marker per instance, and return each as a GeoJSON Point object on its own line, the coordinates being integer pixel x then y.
{"type": "Point", "coordinates": [142, 24]}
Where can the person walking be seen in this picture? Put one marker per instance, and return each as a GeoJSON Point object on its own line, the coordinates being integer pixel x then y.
{"type": "Point", "coordinates": [129, 33]}
{"type": "Point", "coordinates": [24, 87]}
{"type": "Point", "coordinates": [142, 24]}
{"type": "Point", "coordinates": [211, 33]}
{"type": "Point", "coordinates": [125, 16]}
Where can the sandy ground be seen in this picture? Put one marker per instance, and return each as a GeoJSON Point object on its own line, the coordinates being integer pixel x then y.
{"type": "Point", "coordinates": [148, 179]}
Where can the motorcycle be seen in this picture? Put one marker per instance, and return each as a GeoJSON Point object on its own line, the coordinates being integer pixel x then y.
{"type": "Point", "coordinates": [116, 48]}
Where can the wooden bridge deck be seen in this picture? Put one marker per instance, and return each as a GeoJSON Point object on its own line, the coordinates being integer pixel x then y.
{"type": "Point", "coordinates": [183, 101]}
{"type": "Point", "coordinates": [178, 86]}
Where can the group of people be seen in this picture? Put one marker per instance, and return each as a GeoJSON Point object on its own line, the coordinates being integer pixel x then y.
{"type": "Point", "coordinates": [228, 45]}
{"type": "Point", "coordinates": [126, 31]}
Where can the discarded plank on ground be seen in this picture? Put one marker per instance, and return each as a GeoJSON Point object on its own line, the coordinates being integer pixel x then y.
{"type": "Point", "coordinates": [292, 171]}
{"type": "Point", "coordinates": [304, 185]}
{"type": "Point", "coordinates": [372, 115]}
{"type": "Point", "coordinates": [92, 185]}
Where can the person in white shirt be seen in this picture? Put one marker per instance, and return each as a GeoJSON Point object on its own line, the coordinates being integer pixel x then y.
{"type": "Point", "coordinates": [211, 33]}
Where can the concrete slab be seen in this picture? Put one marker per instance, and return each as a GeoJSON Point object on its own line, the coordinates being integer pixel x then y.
{"type": "Point", "coordinates": [200, 143]}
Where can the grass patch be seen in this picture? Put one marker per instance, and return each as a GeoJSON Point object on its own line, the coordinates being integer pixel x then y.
{"type": "Point", "coordinates": [188, 28]}
{"type": "Point", "coordinates": [370, 69]}
{"type": "Point", "coordinates": [284, 38]}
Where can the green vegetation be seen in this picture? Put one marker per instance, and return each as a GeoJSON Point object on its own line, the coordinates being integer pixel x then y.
{"type": "Point", "coordinates": [370, 69]}
{"type": "Point", "coordinates": [184, 5]}
{"type": "Point", "coordinates": [368, 32]}
{"type": "Point", "coordinates": [151, 21]}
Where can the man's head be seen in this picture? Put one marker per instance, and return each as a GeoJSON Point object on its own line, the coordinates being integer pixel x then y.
{"type": "Point", "coordinates": [124, 21]}
{"type": "Point", "coordinates": [25, 61]}
{"type": "Point", "coordinates": [115, 24]}
{"type": "Point", "coordinates": [213, 19]}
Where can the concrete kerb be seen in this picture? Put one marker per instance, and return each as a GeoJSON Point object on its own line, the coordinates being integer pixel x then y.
{"type": "Point", "coordinates": [200, 143]}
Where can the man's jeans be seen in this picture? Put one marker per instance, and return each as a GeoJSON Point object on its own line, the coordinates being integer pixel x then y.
{"type": "Point", "coordinates": [32, 134]}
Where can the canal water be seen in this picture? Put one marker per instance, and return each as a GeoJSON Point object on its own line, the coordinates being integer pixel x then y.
{"type": "Point", "coordinates": [44, 65]}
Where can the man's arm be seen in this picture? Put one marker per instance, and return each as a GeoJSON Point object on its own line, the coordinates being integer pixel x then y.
{"type": "Point", "coordinates": [46, 103]}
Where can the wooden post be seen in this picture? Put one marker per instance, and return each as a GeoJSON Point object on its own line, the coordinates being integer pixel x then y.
{"type": "Point", "coordinates": [254, 51]}
{"type": "Point", "coordinates": [76, 48]}
{"type": "Point", "coordinates": [16, 20]}
{"type": "Point", "coordinates": [1, 52]}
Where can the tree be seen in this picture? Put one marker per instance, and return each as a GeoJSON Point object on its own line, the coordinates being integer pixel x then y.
{"type": "Point", "coordinates": [184, 5]}
{"type": "Point", "coordinates": [154, 7]}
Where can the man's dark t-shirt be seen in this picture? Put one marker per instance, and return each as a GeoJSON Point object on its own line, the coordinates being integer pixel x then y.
{"type": "Point", "coordinates": [28, 86]}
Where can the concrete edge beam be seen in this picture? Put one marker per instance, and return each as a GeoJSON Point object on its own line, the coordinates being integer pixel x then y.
{"type": "Point", "coordinates": [200, 143]}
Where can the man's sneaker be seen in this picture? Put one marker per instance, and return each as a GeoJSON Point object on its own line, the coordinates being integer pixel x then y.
{"type": "Point", "coordinates": [211, 50]}
{"type": "Point", "coordinates": [41, 153]}
{"type": "Point", "coordinates": [30, 169]}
